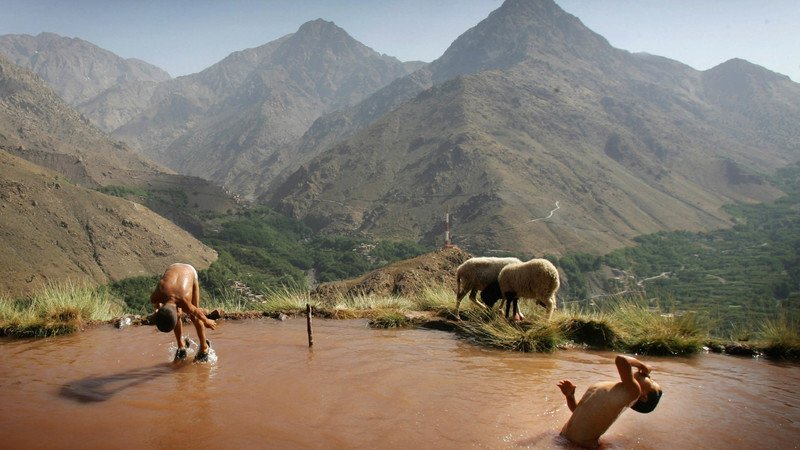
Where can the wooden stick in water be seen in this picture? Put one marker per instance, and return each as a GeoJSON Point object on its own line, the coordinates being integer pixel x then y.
{"type": "Point", "coordinates": [308, 323]}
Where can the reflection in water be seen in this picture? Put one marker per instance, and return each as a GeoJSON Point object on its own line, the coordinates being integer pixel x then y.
{"type": "Point", "coordinates": [362, 388]}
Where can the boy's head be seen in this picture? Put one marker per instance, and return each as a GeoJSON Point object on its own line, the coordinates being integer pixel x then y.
{"type": "Point", "coordinates": [166, 318]}
{"type": "Point", "coordinates": [651, 394]}
{"type": "Point", "coordinates": [646, 406]}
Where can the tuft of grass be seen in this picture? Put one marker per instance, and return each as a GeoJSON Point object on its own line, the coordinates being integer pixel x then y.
{"type": "Point", "coordinates": [391, 319]}
{"type": "Point", "coordinates": [373, 302]}
{"type": "Point", "coordinates": [231, 301]}
{"type": "Point", "coordinates": [740, 333]}
{"type": "Point", "coordinates": [284, 300]}
{"type": "Point", "coordinates": [492, 329]}
{"type": "Point", "coordinates": [58, 309]}
{"type": "Point", "coordinates": [440, 299]}
{"type": "Point", "coordinates": [595, 330]}
{"type": "Point", "coordinates": [780, 338]}
{"type": "Point", "coordinates": [650, 331]}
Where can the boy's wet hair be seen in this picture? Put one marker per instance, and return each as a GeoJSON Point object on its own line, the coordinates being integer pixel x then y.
{"type": "Point", "coordinates": [648, 405]}
{"type": "Point", "coordinates": [166, 318]}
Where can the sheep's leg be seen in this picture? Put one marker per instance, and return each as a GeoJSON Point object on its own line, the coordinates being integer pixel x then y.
{"type": "Point", "coordinates": [518, 316]}
{"type": "Point", "coordinates": [551, 306]}
{"type": "Point", "coordinates": [511, 302]}
{"type": "Point", "coordinates": [473, 295]}
{"type": "Point", "coordinates": [459, 296]}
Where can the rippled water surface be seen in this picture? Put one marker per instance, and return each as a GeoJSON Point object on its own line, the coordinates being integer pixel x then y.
{"type": "Point", "coordinates": [363, 388]}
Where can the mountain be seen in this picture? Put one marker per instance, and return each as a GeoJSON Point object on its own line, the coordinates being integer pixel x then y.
{"type": "Point", "coordinates": [88, 77]}
{"type": "Point", "coordinates": [55, 226]}
{"type": "Point", "coordinates": [39, 126]}
{"type": "Point", "coordinates": [539, 137]}
{"type": "Point", "coordinates": [53, 231]}
{"type": "Point", "coordinates": [220, 122]}
{"type": "Point", "coordinates": [508, 41]}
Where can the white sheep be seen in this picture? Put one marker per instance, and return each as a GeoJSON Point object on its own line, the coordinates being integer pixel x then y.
{"type": "Point", "coordinates": [536, 279]}
{"type": "Point", "coordinates": [476, 274]}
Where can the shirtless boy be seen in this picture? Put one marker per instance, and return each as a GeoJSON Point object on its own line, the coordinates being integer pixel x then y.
{"type": "Point", "coordinates": [178, 291]}
{"type": "Point", "coordinates": [603, 402]}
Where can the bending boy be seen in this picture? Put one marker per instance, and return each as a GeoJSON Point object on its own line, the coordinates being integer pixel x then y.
{"type": "Point", "coordinates": [603, 402]}
{"type": "Point", "coordinates": [178, 291]}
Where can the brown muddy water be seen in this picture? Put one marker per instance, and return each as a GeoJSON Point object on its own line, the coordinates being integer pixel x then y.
{"type": "Point", "coordinates": [363, 388]}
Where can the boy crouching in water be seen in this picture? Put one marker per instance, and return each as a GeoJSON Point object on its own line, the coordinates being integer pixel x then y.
{"type": "Point", "coordinates": [178, 291]}
{"type": "Point", "coordinates": [603, 402]}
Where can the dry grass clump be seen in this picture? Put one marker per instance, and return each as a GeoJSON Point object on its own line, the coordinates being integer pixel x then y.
{"type": "Point", "coordinates": [58, 309]}
{"type": "Point", "coordinates": [372, 302]}
{"type": "Point", "coordinates": [492, 329]}
{"type": "Point", "coordinates": [439, 299]}
{"type": "Point", "coordinates": [651, 331]}
{"type": "Point", "coordinates": [284, 300]}
{"type": "Point", "coordinates": [594, 330]}
{"type": "Point", "coordinates": [364, 305]}
{"type": "Point", "coordinates": [780, 337]}
{"type": "Point", "coordinates": [391, 319]}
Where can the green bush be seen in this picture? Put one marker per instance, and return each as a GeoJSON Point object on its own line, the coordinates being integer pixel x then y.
{"type": "Point", "coordinates": [134, 293]}
{"type": "Point", "coordinates": [264, 249]}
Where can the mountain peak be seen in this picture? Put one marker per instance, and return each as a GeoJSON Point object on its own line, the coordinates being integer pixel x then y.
{"type": "Point", "coordinates": [520, 30]}
{"type": "Point", "coordinates": [320, 44]}
{"type": "Point", "coordinates": [539, 8]}
{"type": "Point", "coordinates": [319, 31]}
{"type": "Point", "coordinates": [319, 25]}
{"type": "Point", "coordinates": [743, 66]}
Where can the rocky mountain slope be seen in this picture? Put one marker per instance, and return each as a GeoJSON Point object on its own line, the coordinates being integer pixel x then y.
{"type": "Point", "coordinates": [539, 137]}
{"type": "Point", "coordinates": [218, 123]}
{"type": "Point", "coordinates": [500, 42]}
{"type": "Point", "coordinates": [53, 226]}
{"type": "Point", "coordinates": [39, 126]}
{"type": "Point", "coordinates": [52, 231]}
{"type": "Point", "coordinates": [107, 89]}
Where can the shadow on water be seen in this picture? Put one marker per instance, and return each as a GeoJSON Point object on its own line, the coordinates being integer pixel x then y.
{"type": "Point", "coordinates": [102, 388]}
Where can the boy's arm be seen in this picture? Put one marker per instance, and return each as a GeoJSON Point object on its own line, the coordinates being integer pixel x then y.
{"type": "Point", "coordinates": [155, 299]}
{"type": "Point", "coordinates": [198, 314]}
{"type": "Point", "coordinates": [624, 367]}
{"type": "Point", "coordinates": [568, 389]}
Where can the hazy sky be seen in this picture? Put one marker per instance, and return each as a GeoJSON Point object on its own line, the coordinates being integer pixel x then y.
{"type": "Point", "coordinates": [186, 36]}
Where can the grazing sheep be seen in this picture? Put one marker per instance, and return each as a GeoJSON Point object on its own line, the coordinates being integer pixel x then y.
{"type": "Point", "coordinates": [476, 274]}
{"type": "Point", "coordinates": [536, 279]}
{"type": "Point", "coordinates": [491, 294]}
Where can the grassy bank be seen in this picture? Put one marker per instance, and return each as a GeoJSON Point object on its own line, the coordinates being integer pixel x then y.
{"type": "Point", "coordinates": [627, 324]}
{"type": "Point", "coordinates": [59, 309]}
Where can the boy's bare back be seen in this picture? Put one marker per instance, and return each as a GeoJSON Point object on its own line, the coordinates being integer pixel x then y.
{"type": "Point", "coordinates": [179, 284]}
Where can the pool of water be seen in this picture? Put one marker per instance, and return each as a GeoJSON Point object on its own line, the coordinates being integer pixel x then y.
{"type": "Point", "coordinates": [363, 388]}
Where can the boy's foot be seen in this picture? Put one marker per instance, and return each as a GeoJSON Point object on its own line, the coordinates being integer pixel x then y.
{"type": "Point", "coordinates": [216, 314]}
{"type": "Point", "coordinates": [180, 354]}
{"type": "Point", "coordinates": [202, 356]}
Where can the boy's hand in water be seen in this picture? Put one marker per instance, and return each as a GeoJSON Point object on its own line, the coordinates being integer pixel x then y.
{"type": "Point", "coordinates": [567, 388]}
{"type": "Point", "coordinates": [211, 324]}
